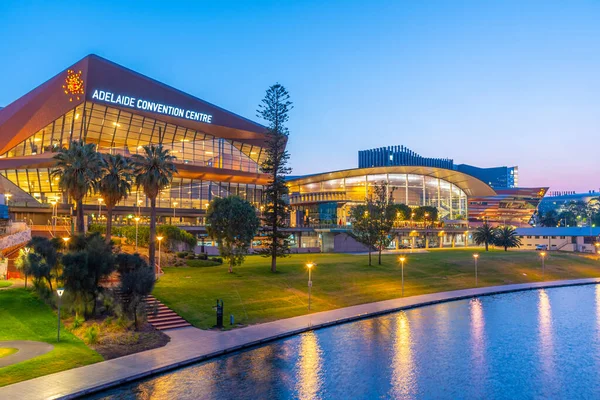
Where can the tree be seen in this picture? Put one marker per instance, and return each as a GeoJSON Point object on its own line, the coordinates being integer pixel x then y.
{"type": "Point", "coordinates": [403, 212]}
{"type": "Point", "coordinates": [232, 223]}
{"type": "Point", "coordinates": [153, 172]}
{"type": "Point", "coordinates": [364, 228]}
{"type": "Point", "coordinates": [136, 282]}
{"type": "Point", "coordinates": [274, 109]}
{"type": "Point", "coordinates": [549, 218]}
{"type": "Point", "coordinates": [22, 263]}
{"type": "Point", "coordinates": [114, 185]}
{"type": "Point", "coordinates": [43, 259]}
{"type": "Point", "coordinates": [384, 214]}
{"type": "Point", "coordinates": [89, 260]}
{"type": "Point", "coordinates": [506, 236]}
{"type": "Point", "coordinates": [425, 213]}
{"type": "Point", "coordinates": [78, 169]}
{"type": "Point", "coordinates": [485, 235]}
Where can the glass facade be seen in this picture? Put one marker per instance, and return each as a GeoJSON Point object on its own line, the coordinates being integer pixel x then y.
{"type": "Point", "coordinates": [309, 199]}
{"type": "Point", "coordinates": [120, 132]}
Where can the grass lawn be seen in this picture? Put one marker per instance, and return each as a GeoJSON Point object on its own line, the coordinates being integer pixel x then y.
{"type": "Point", "coordinates": [254, 295]}
{"type": "Point", "coordinates": [24, 317]}
{"type": "Point", "coordinates": [4, 284]}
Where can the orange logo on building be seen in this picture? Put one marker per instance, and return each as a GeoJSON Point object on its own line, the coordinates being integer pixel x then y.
{"type": "Point", "coordinates": [73, 85]}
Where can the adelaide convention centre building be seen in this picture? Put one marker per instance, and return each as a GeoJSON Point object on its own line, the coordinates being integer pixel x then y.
{"type": "Point", "coordinates": [97, 101]}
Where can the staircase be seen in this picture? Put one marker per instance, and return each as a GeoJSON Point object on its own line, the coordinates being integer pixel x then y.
{"type": "Point", "coordinates": [162, 317]}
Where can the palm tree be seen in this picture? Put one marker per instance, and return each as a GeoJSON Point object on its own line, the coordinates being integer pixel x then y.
{"type": "Point", "coordinates": [114, 185]}
{"type": "Point", "coordinates": [484, 235]}
{"type": "Point", "coordinates": [506, 237]}
{"type": "Point", "coordinates": [78, 170]}
{"type": "Point", "coordinates": [153, 171]}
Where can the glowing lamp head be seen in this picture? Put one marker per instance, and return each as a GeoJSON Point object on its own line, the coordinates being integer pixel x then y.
{"type": "Point", "coordinates": [402, 259]}
{"type": "Point", "coordinates": [100, 200]}
{"type": "Point", "coordinates": [310, 265]}
{"type": "Point", "coordinates": [137, 219]}
{"type": "Point", "coordinates": [159, 238]}
{"type": "Point", "coordinates": [543, 254]}
{"type": "Point", "coordinates": [60, 292]}
{"type": "Point", "coordinates": [66, 239]}
{"type": "Point", "coordinates": [476, 256]}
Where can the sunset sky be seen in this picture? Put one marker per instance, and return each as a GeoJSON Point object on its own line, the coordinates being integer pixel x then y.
{"type": "Point", "coordinates": [484, 83]}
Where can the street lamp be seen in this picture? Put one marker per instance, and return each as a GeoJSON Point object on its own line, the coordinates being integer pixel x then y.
{"type": "Point", "coordinates": [597, 244]}
{"type": "Point", "coordinates": [412, 216]}
{"type": "Point", "coordinates": [159, 238]}
{"type": "Point", "coordinates": [543, 255]}
{"type": "Point", "coordinates": [402, 259]}
{"type": "Point", "coordinates": [60, 292]}
{"type": "Point", "coordinates": [66, 239]}
{"type": "Point", "coordinates": [7, 196]}
{"type": "Point", "coordinates": [475, 257]}
{"type": "Point", "coordinates": [139, 206]}
{"type": "Point", "coordinates": [137, 219]}
{"type": "Point", "coordinates": [100, 200]}
{"type": "Point", "coordinates": [309, 265]}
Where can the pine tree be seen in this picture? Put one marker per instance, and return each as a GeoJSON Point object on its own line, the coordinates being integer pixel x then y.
{"type": "Point", "coordinates": [274, 109]}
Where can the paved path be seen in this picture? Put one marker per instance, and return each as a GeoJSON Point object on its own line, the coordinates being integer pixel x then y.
{"type": "Point", "coordinates": [189, 345]}
{"type": "Point", "coordinates": [26, 349]}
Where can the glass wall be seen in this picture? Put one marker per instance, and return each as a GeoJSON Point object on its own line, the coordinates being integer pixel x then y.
{"type": "Point", "coordinates": [116, 131]}
{"type": "Point", "coordinates": [410, 189]}
{"type": "Point", "coordinates": [182, 193]}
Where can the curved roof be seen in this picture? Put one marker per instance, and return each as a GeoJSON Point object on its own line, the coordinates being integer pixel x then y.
{"type": "Point", "coordinates": [467, 183]}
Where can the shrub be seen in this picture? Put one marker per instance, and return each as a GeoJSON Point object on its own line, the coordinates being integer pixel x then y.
{"type": "Point", "coordinates": [201, 263]}
{"type": "Point", "coordinates": [77, 322]}
{"type": "Point", "coordinates": [91, 335]}
{"type": "Point", "coordinates": [203, 256]}
{"type": "Point", "coordinates": [190, 257]}
{"type": "Point", "coordinates": [181, 254]}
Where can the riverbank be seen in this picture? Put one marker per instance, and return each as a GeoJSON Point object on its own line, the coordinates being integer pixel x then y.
{"type": "Point", "coordinates": [189, 345]}
{"type": "Point", "coordinates": [253, 295]}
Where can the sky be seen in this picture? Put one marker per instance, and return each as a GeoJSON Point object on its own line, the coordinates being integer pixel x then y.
{"type": "Point", "coordinates": [484, 83]}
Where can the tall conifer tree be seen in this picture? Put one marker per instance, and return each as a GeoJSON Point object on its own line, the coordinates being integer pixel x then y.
{"type": "Point", "coordinates": [274, 109]}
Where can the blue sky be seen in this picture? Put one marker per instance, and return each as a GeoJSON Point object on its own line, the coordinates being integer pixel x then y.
{"type": "Point", "coordinates": [484, 83]}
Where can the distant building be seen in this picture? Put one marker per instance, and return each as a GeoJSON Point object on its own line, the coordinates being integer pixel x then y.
{"type": "Point", "coordinates": [558, 200]}
{"type": "Point", "coordinates": [394, 156]}
{"type": "Point", "coordinates": [496, 177]}
{"type": "Point", "coordinates": [564, 239]}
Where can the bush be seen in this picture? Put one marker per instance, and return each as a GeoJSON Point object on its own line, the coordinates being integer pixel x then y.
{"type": "Point", "coordinates": [190, 257]}
{"type": "Point", "coordinates": [77, 322]}
{"type": "Point", "coordinates": [91, 335]}
{"type": "Point", "coordinates": [181, 254]}
{"type": "Point", "coordinates": [201, 263]}
{"type": "Point", "coordinates": [203, 256]}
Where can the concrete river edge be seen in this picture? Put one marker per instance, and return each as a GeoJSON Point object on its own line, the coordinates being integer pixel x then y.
{"type": "Point", "coordinates": [192, 345]}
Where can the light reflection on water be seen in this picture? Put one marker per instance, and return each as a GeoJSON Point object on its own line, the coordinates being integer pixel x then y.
{"type": "Point", "coordinates": [535, 344]}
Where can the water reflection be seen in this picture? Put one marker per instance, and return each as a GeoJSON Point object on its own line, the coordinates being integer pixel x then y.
{"type": "Point", "coordinates": [546, 335]}
{"type": "Point", "coordinates": [309, 367]}
{"type": "Point", "coordinates": [404, 380]}
{"type": "Point", "coordinates": [477, 332]}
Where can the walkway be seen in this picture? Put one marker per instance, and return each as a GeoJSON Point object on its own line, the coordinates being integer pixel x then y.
{"type": "Point", "coordinates": [189, 345]}
{"type": "Point", "coordinates": [26, 349]}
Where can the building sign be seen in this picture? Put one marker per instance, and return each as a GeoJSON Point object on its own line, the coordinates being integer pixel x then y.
{"type": "Point", "coordinates": [147, 105]}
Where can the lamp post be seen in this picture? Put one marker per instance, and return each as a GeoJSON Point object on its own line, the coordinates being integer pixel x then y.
{"type": "Point", "coordinates": [543, 256]}
{"type": "Point", "coordinates": [309, 266]}
{"type": "Point", "coordinates": [139, 207]}
{"type": "Point", "coordinates": [66, 239]}
{"type": "Point", "coordinates": [159, 238]}
{"type": "Point", "coordinates": [412, 216]}
{"type": "Point", "coordinates": [137, 219]}
{"type": "Point", "coordinates": [100, 200]}
{"type": "Point", "coordinates": [60, 292]}
{"type": "Point", "coordinates": [402, 259]}
{"type": "Point", "coordinates": [475, 257]}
